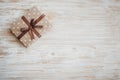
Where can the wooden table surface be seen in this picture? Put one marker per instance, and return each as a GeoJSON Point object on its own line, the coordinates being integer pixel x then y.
{"type": "Point", "coordinates": [83, 43]}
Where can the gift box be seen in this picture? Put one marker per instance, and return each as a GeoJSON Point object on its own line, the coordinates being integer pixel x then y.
{"type": "Point", "coordinates": [30, 26]}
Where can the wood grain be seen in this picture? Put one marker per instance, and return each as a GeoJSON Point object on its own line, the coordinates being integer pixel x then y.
{"type": "Point", "coordinates": [83, 44]}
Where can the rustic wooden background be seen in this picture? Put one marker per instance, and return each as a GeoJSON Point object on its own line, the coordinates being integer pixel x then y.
{"type": "Point", "coordinates": [83, 43]}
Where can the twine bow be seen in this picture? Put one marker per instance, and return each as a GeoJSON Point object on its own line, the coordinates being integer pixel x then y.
{"type": "Point", "coordinates": [31, 27]}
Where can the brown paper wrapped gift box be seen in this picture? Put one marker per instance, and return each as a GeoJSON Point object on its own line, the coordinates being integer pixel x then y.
{"type": "Point", "coordinates": [30, 26]}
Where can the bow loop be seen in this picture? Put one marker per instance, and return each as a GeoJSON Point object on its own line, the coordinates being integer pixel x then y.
{"type": "Point", "coordinates": [32, 23]}
{"type": "Point", "coordinates": [23, 29]}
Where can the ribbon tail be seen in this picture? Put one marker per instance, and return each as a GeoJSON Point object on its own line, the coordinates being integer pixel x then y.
{"type": "Point", "coordinates": [31, 34]}
{"type": "Point", "coordinates": [38, 26]}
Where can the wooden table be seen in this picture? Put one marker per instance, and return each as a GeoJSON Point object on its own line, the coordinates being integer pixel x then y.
{"type": "Point", "coordinates": [83, 43]}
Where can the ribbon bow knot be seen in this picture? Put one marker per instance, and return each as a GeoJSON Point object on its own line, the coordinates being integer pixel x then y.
{"type": "Point", "coordinates": [31, 27]}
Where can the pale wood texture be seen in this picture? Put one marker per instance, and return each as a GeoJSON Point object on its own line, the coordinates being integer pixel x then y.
{"type": "Point", "coordinates": [83, 44]}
